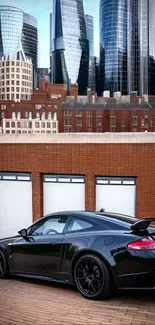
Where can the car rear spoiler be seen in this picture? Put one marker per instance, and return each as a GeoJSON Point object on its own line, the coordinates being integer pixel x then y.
{"type": "Point", "coordinates": [142, 224]}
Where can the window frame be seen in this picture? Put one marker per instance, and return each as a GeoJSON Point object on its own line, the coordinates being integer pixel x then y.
{"type": "Point", "coordinates": [72, 219]}
{"type": "Point", "coordinates": [43, 220]}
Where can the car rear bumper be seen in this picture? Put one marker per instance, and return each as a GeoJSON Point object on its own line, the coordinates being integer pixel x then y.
{"type": "Point", "coordinates": [142, 280]}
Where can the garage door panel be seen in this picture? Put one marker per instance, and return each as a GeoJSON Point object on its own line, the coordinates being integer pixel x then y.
{"type": "Point", "coordinates": [116, 198]}
{"type": "Point", "coordinates": [16, 206]}
{"type": "Point", "coordinates": [63, 193]}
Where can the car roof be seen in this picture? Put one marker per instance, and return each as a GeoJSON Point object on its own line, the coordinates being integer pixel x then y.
{"type": "Point", "coordinates": [97, 216]}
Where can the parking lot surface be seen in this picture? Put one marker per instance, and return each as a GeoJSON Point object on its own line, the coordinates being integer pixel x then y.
{"type": "Point", "coordinates": [24, 301]}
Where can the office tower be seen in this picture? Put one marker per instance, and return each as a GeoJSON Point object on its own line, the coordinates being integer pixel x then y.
{"type": "Point", "coordinates": [97, 75]}
{"type": "Point", "coordinates": [141, 46]}
{"type": "Point", "coordinates": [50, 72]}
{"type": "Point", "coordinates": [70, 46]}
{"type": "Point", "coordinates": [93, 74]}
{"type": "Point", "coordinates": [18, 34]}
{"type": "Point", "coordinates": [16, 78]}
{"type": "Point", "coordinates": [90, 33]}
{"type": "Point", "coordinates": [92, 60]}
{"type": "Point", "coordinates": [113, 46]}
{"type": "Point", "coordinates": [127, 46]}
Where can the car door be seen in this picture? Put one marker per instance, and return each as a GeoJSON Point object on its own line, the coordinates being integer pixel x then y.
{"type": "Point", "coordinates": [76, 238]}
{"type": "Point", "coordinates": [42, 252]}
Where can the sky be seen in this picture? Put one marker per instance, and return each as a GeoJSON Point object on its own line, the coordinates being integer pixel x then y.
{"type": "Point", "coordinates": [41, 9]}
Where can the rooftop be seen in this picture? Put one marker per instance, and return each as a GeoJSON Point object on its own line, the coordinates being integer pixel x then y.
{"type": "Point", "coordinates": [79, 138]}
{"type": "Point", "coordinates": [108, 106]}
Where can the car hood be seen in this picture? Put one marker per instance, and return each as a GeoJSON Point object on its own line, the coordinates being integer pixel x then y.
{"type": "Point", "coordinates": [8, 239]}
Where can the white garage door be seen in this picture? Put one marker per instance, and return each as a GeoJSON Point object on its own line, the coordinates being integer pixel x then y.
{"type": "Point", "coordinates": [15, 203]}
{"type": "Point", "coordinates": [62, 193]}
{"type": "Point", "coordinates": [116, 195]}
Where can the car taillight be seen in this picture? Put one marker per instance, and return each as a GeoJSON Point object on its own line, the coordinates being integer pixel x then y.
{"type": "Point", "coordinates": [143, 244]}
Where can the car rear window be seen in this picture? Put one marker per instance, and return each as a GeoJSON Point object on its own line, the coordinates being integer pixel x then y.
{"type": "Point", "coordinates": [123, 218]}
{"type": "Point", "coordinates": [118, 220]}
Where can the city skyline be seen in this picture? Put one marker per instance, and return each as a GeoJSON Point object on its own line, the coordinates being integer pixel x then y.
{"type": "Point", "coordinates": [41, 11]}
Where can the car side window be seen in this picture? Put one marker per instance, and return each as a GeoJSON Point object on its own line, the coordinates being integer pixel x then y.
{"type": "Point", "coordinates": [79, 224]}
{"type": "Point", "coordinates": [50, 226]}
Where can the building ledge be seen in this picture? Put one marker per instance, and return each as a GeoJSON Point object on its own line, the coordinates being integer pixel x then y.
{"type": "Point", "coordinates": [79, 138]}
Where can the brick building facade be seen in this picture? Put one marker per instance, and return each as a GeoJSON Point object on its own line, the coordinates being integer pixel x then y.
{"type": "Point", "coordinates": [123, 155]}
{"type": "Point", "coordinates": [85, 113]}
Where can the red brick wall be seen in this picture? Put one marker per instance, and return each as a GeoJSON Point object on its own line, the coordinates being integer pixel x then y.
{"type": "Point", "coordinates": [124, 120]}
{"type": "Point", "coordinates": [137, 160]}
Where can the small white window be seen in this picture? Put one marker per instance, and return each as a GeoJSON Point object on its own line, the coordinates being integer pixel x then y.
{"type": "Point", "coordinates": [142, 122]}
{"type": "Point", "coordinates": [3, 107]}
{"type": "Point", "coordinates": [30, 115]}
{"type": "Point", "coordinates": [18, 116]}
{"type": "Point", "coordinates": [13, 116]}
{"type": "Point", "coordinates": [38, 106]}
{"type": "Point", "coordinates": [49, 116]}
{"type": "Point", "coordinates": [37, 116]}
{"type": "Point", "coordinates": [43, 116]}
{"type": "Point", "coordinates": [54, 96]}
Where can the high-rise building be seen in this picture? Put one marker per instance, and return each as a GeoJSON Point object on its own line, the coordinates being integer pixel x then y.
{"type": "Point", "coordinates": [16, 78]}
{"type": "Point", "coordinates": [93, 74]}
{"type": "Point", "coordinates": [113, 46]}
{"type": "Point", "coordinates": [18, 33]}
{"type": "Point", "coordinates": [70, 46]}
{"type": "Point", "coordinates": [127, 46]}
{"type": "Point", "coordinates": [141, 46]}
{"type": "Point", "coordinates": [92, 59]}
{"type": "Point", "coordinates": [90, 33]}
{"type": "Point", "coordinates": [50, 74]}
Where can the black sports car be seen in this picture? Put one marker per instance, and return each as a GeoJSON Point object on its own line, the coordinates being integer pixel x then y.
{"type": "Point", "coordinates": [95, 251]}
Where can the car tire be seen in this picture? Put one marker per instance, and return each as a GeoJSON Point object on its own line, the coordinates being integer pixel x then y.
{"type": "Point", "coordinates": [92, 277]}
{"type": "Point", "coordinates": [4, 267]}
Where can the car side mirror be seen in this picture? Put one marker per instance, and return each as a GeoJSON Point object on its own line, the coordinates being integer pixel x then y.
{"type": "Point", "coordinates": [23, 233]}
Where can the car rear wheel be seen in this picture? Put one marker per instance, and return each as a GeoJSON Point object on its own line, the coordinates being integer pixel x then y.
{"type": "Point", "coordinates": [92, 277]}
{"type": "Point", "coordinates": [4, 268]}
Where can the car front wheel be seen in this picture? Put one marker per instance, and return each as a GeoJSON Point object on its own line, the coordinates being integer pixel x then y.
{"type": "Point", "coordinates": [92, 277]}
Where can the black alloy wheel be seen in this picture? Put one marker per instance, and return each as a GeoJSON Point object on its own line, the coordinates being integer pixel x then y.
{"type": "Point", "coordinates": [4, 269]}
{"type": "Point", "coordinates": [92, 277]}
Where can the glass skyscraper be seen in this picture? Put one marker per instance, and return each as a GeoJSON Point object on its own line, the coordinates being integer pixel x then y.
{"type": "Point", "coordinates": [50, 74]}
{"type": "Point", "coordinates": [18, 33]}
{"type": "Point", "coordinates": [90, 33]}
{"type": "Point", "coordinates": [70, 46]}
{"type": "Point", "coordinates": [127, 46]}
{"type": "Point", "coordinates": [93, 74]}
{"type": "Point", "coordinates": [92, 60]}
{"type": "Point", "coordinates": [113, 46]}
{"type": "Point", "coordinates": [141, 46]}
